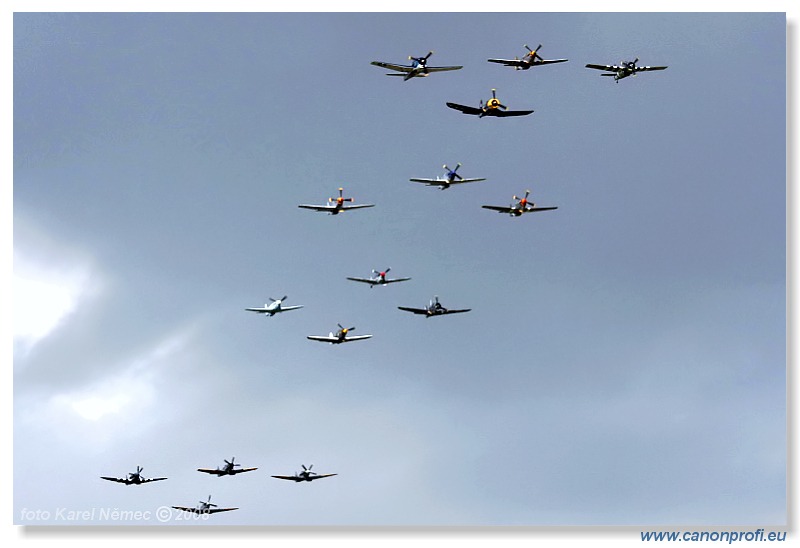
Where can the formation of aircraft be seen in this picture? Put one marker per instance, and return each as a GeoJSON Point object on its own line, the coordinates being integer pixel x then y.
{"type": "Point", "coordinates": [229, 469]}
{"type": "Point", "coordinates": [134, 478]}
{"type": "Point", "coordinates": [520, 206]}
{"type": "Point", "coordinates": [493, 107]}
{"type": "Point", "coordinates": [204, 507]}
{"type": "Point", "coordinates": [336, 205]}
{"type": "Point", "coordinates": [450, 178]}
{"type": "Point", "coordinates": [339, 337]}
{"type": "Point", "coordinates": [531, 59]}
{"type": "Point", "coordinates": [378, 278]}
{"type": "Point", "coordinates": [305, 475]}
{"type": "Point", "coordinates": [418, 67]}
{"type": "Point", "coordinates": [434, 308]}
{"type": "Point", "coordinates": [274, 307]}
{"type": "Point", "coordinates": [623, 70]}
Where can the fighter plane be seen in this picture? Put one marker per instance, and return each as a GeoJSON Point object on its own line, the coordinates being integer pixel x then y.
{"type": "Point", "coordinates": [228, 470]}
{"type": "Point", "coordinates": [204, 508]}
{"type": "Point", "coordinates": [419, 67]}
{"type": "Point", "coordinates": [531, 59]}
{"type": "Point", "coordinates": [305, 475]}
{"type": "Point", "coordinates": [433, 309]}
{"type": "Point", "coordinates": [493, 107]}
{"type": "Point", "coordinates": [335, 205]}
{"type": "Point", "coordinates": [378, 278]}
{"type": "Point", "coordinates": [134, 478]}
{"type": "Point", "coordinates": [450, 178]}
{"type": "Point", "coordinates": [519, 207]}
{"type": "Point", "coordinates": [623, 70]}
{"type": "Point", "coordinates": [274, 307]}
{"type": "Point", "coordinates": [339, 337]}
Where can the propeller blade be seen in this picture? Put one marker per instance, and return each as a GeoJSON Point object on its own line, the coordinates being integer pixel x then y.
{"type": "Point", "coordinates": [387, 270]}
{"type": "Point", "coordinates": [284, 297]}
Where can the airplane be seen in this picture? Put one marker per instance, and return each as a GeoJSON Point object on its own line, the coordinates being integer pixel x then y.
{"type": "Point", "coordinates": [134, 478]}
{"type": "Point", "coordinates": [204, 508]}
{"type": "Point", "coordinates": [339, 337]}
{"type": "Point", "coordinates": [493, 107]}
{"type": "Point", "coordinates": [305, 475]}
{"type": "Point", "coordinates": [521, 206]}
{"type": "Point", "coordinates": [228, 470]}
{"type": "Point", "coordinates": [450, 178]}
{"type": "Point", "coordinates": [378, 278]}
{"type": "Point", "coordinates": [338, 205]}
{"type": "Point", "coordinates": [433, 309]}
{"type": "Point", "coordinates": [623, 70]}
{"type": "Point", "coordinates": [272, 308]}
{"type": "Point", "coordinates": [531, 59]}
{"type": "Point", "coordinates": [419, 67]}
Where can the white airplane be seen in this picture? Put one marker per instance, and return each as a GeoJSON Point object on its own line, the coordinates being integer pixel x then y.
{"type": "Point", "coordinates": [339, 337]}
{"type": "Point", "coordinates": [134, 478]}
{"type": "Point", "coordinates": [450, 178]}
{"type": "Point", "coordinates": [522, 205]}
{"type": "Point", "coordinates": [378, 278]}
{"type": "Point", "coordinates": [531, 59]}
{"type": "Point", "coordinates": [335, 205]}
{"type": "Point", "coordinates": [623, 70]}
{"type": "Point", "coordinates": [228, 470]}
{"type": "Point", "coordinates": [305, 475]}
{"type": "Point", "coordinates": [204, 507]}
{"type": "Point", "coordinates": [419, 67]}
{"type": "Point", "coordinates": [274, 307]}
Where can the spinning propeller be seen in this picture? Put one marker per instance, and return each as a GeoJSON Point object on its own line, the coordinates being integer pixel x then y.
{"type": "Point", "coordinates": [344, 331]}
{"type": "Point", "coordinates": [382, 274]}
{"type": "Point", "coordinates": [339, 200]}
{"type": "Point", "coordinates": [231, 463]}
{"type": "Point", "coordinates": [207, 504]}
{"type": "Point", "coordinates": [494, 102]}
{"type": "Point", "coordinates": [522, 201]}
{"type": "Point", "coordinates": [451, 173]}
{"type": "Point", "coordinates": [423, 61]}
{"type": "Point", "coordinates": [534, 52]}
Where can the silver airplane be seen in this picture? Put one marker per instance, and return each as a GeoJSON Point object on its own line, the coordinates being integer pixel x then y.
{"type": "Point", "coordinates": [228, 470]}
{"type": "Point", "coordinates": [531, 59]}
{"type": "Point", "coordinates": [336, 205]}
{"type": "Point", "coordinates": [274, 307]}
{"type": "Point", "coordinates": [623, 70]}
{"type": "Point", "coordinates": [434, 308]}
{"type": "Point", "coordinates": [450, 178]}
{"type": "Point", "coordinates": [339, 337]}
{"type": "Point", "coordinates": [520, 206]}
{"type": "Point", "coordinates": [418, 68]}
{"type": "Point", "coordinates": [378, 278]}
{"type": "Point", "coordinates": [305, 475]}
{"type": "Point", "coordinates": [204, 507]}
{"type": "Point", "coordinates": [134, 478]}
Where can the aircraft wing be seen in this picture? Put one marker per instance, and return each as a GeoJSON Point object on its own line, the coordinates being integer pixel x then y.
{"type": "Point", "coordinates": [643, 69]}
{"type": "Point", "coordinates": [432, 182]}
{"type": "Point", "coordinates": [441, 69]}
{"type": "Point", "coordinates": [509, 62]}
{"type": "Point", "coordinates": [464, 109]}
{"type": "Point", "coordinates": [549, 61]}
{"type": "Point", "coordinates": [317, 207]}
{"type": "Point", "coordinates": [609, 68]}
{"type": "Point", "coordinates": [392, 66]}
{"type": "Point", "coordinates": [322, 338]}
{"type": "Point", "coordinates": [356, 338]}
{"type": "Point", "coordinates": [214, 471]}
{"type": "Point", "coordinates": [152, 479]}
{"type": "Point", "coordinates": [535, 209]}
{"type": "Point", "coordinates": [216, 510]}
{"type": "Point", "coordinates": [118, 480]}
{"type": "Point", "coordinates": [393, 280]}
{"type": "Point", "coordinates": [422, 311]}
{"type": "Point", "coordinates": [356, 206]}
{"type": "Point", "coordinates": [240, 470]}
{"type": "Point", "coordinates": [455, 311]}
{"type": "Point", "coordinates": [261, 310]}
{"type": "Point", "coordinates": [364, 280]}
{"type": "Point", "coordinates": [501, 209]}
{"type": "Point", "coordinates": [473, 180]}
{"type": "Point", "coordinates": [504, 113]}
{"type": "Point", "coordinates": [320, 476]}
{"type": "Point", "coordinates": [295, 307]}
{"type": "Point", "coordinates": [292, 478]}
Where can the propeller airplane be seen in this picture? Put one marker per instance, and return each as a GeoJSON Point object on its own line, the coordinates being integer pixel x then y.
{"type": "Point", "coordinates": [339, 337]}
{"type": "Point", "coordinates": [493, 107]}
{"type": "Point", "coordinates": [623, 70]}
{"type": "Point", "coordinates": [335, 205]}
{"type": "Point", "coordinates": [228, 470]}
{"type": "Point", "coordinates": [305, 475]}
{"type": "Point", "coordinates": [274, 307]}
{"type": "Point", "coordinates": [531, 59]}
{"type": "Point", "coordinates": [434, 308]}
{"type": "Point", "coordinates": [522, 205]}
{"type": "Point", "coordinates": [378, 278]}
{"type": "Point", "coordinates": [418, 67]}
{"type": "Point", "coordinates": [450, 178]}
{"type": "Point", "coordinates": [204, 507]}
{"type": "Point", "coordinates": [134, 478]}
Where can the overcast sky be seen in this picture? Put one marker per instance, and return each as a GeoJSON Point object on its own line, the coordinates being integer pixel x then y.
{"type": "Point", "coordinates": [624, 360]}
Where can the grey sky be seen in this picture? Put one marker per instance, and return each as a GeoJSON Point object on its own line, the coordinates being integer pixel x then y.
{"type": "Point", "coordinates": [624, 362]}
